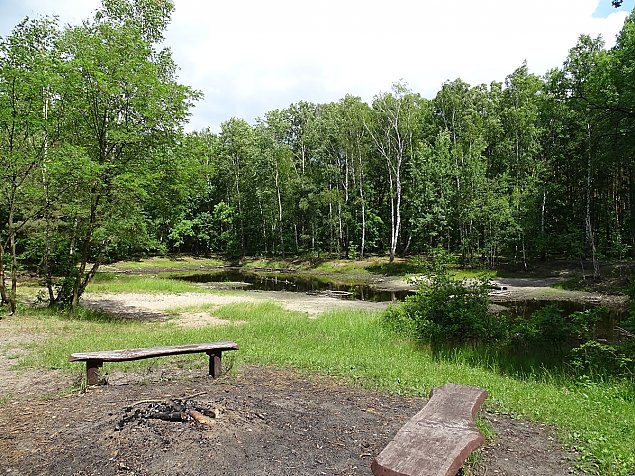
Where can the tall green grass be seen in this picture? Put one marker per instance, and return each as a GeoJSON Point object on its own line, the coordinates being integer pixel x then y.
{"type": "Point", "coordinates": [598, 419]}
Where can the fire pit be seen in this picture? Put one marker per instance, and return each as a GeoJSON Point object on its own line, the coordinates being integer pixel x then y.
{"type": "Point", "coordinates": [176, 410]}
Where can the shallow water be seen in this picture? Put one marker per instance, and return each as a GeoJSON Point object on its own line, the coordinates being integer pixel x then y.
{"type": "Point", "coordinates": [237, 279]}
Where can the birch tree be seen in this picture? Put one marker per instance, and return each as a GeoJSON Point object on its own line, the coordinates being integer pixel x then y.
{"type": "Point", "coordinates": [394, 128]}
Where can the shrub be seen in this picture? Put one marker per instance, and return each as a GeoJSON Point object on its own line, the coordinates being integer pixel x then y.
{"type": "Point", "coordinates": [444, 308]}
{"type": "Point", "coordinates": [548, 327]}
{"type": "Point", "coordinates": [597, 358]}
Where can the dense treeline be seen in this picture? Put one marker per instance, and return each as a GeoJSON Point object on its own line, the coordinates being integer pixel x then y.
{"type": "Point", "coordinates": [95, 165]}
{"type": "Point", "coordinates": [531, 167]}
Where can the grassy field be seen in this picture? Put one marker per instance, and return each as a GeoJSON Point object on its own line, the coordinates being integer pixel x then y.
{"type": "Point", "coordinates": [596, 418]}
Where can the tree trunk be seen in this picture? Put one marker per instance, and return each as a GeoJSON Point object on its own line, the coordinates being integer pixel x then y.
{"type": "Point", "coordinates": [631, 210]}
{"type": "Point", "coordinates": [14, 266]}
{"type": "Point", "coordinates": [330, 225]}
{"type": "Point", "coordinates": [78, 286]}
{"type": "Point", "coordinates": [398, 211]}
{"type": "Point", "coordinates": [264, 227]}
{"type": "Point", "coordinates": [340, 232]}
{"type": "Point", "coordinates": [3, 290]}
{"type": "Point", "coordinates": [363, 243]}
{"type": "Point", "coordinates": [47, 217]}
{"type": "Point", "coordinates": [240, 208]}
{"type": "Point", "coordinates": [362, 200]}
{"type": "Point", "coordinates": [277, 178]}
{"type": "Point", "coordinates": [404, 253]}
{"type": "Point", "coordinates": [392, 224]}
{"type": "Point", "coordinates": [543, 206]}
{"type": "Point", "coordinates": [80, 272]}
{"type": "Point", "coordinates": [587, 218]}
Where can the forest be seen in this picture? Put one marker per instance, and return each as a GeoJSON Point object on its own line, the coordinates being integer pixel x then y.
{"type": "Point", "coordinates": [96, 165]}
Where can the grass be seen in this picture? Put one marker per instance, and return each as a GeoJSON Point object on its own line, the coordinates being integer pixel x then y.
{"type": "Point", "coordinates": [376, 265]}
{"type": "Point", "coordinates": [366, 267]}
{"type": "Point", "coordinates": [167, 262]}
{"type": "Point", "coordinates": [274, 263]}
{"type": "Point", "coordinates": [106, 282]}
{"type": "Point", "coordinates": [598, 419]}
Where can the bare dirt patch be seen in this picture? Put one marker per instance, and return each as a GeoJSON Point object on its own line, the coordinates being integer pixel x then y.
{"type": "Point", "coordinates": [23, 384]}
{"type": "Point", "coordinates": [540, 289]}
{"type": "Point", "coordinates": [271, 422]}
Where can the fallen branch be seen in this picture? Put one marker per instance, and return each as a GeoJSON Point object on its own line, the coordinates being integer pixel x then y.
{"type": "Point", "coordinates": [624, 332]}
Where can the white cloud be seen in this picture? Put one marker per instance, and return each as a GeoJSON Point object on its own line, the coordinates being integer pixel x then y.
{"type": "Point", "coordinates": [250, 56]}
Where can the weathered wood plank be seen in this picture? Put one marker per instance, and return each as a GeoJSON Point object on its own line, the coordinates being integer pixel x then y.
{"type": "Point", "coordinates": [95, 360]}
{"type": "Point", "coordinates": [122, 355]}
{"type": "Point", "coordinates": [438, 439]}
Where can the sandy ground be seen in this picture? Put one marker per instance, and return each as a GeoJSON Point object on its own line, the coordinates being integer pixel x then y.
{"type": "Point", "coordinates": [155, 306]}
{"type": "Point", "coordinates": [269, 422]}
{"type": "Point", "coordinates": [522, 289]}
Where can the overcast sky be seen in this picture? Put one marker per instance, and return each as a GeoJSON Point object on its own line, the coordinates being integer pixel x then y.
{"type": "Point", "coordinates": [252, 56]}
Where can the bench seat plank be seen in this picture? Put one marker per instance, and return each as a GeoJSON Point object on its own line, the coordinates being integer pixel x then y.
{"type": "Point", "coordinates": [95, 360]}
{"type": "Point", "coordinates": [438, 439]}
{"type": "Point", "coordinates": [123, 355]}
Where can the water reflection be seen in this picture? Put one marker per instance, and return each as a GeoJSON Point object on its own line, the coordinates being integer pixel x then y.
{"type": "Point", "coordinates": [237, 279]}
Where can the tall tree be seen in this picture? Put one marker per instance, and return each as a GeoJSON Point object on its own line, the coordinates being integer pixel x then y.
{"type": "Point", "coordinates": [458, 110]}
{"type": "Point", "coordinates": [584, 80]}
{"type": "Point", "coordinates": [394, 128]}
{"type": "Point", "coordinates": [521, 147]}
{"type": "Point", "coordinates": [354, 139]}
{"type": "Point", "coordinates": [237, 153]}
{"type": "Point", "coordinates": [123, 103]}
{"type": "Point", "coordinates": [620, 108]}
{"type": "Point", "coordinates": [27, 79]}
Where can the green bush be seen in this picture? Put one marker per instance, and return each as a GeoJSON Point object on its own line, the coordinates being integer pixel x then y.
{"type": "Point", "coordinates": [548, 327]}
{"type": "Point", "coordinates": [595, 358]}
{"type": "Point", "coordinates": [444, 308]}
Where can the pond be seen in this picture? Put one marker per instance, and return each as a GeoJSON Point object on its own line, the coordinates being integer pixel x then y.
{"type": "Point", "coordinates": [237, 279]}
{"type": "Point", "coordinates": [240, 279]}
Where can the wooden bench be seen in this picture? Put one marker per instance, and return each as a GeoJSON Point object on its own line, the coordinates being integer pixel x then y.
{"type": "Point", "coordinates": [94, 360]}
{"type": "Point", "coordinates": [438, 439]}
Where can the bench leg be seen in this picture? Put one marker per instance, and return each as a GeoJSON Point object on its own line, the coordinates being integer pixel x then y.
{"type": "Point", "coordinates": [92, 371]}
{"type": "Point", "coordinates": [215, 365]}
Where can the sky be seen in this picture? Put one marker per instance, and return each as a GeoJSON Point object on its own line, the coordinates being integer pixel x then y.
{"type": "Point", "coordinates": [252, 56]}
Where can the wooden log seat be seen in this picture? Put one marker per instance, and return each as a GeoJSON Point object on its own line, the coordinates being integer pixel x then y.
{"type": "Point", "coordinates": [94, 360]}
{"type": "Point", "coordinates": [438, 439]}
